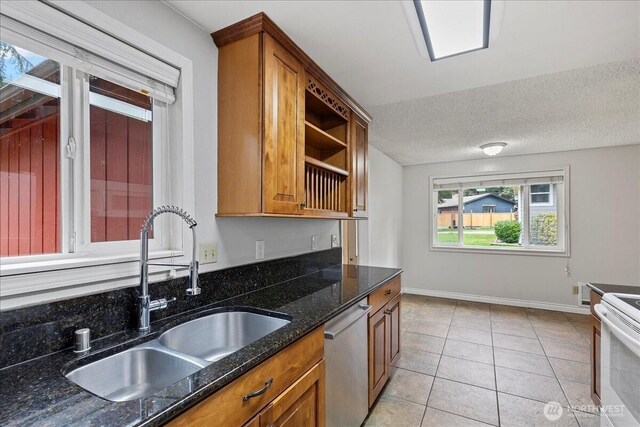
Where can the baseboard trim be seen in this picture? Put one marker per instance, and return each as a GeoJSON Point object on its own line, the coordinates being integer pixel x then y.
{"type": "Point", "coordinates": [497, 300]}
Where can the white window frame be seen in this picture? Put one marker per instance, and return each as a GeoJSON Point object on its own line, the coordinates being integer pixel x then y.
{"type": "Point", "coordinates": [82, 207]}
{"type": "Point", "coordinates": [562, 193]}
{"type": "Point", "coordinates": [38, 278]}
{"type": "Point", "coordinates": [550, 193]}
{"type": "Point", "coordinates": [75, 173]}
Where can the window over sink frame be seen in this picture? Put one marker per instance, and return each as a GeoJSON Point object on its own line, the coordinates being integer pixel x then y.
{"type": "Point", "coordinates": [91, 268]}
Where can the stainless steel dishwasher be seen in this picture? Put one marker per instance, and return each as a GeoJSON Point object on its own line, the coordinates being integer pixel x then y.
{"type": "Point", "coordinates": [345, 350]}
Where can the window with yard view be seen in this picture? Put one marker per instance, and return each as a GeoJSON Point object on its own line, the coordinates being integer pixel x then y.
{"type": "Point", "coordinates": [501, 212]}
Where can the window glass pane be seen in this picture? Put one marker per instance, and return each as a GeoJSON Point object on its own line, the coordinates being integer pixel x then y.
{"type": "Point", "coordinates": [543, 225]}
{"type": "Point", "coordinates": [485, 211]}
{"type": "Point", "coordinates": [447, 218]}
{"type": "Point", "coordinates": [121, 161]}
{"type": "Point", "coordinates": [29, 153]}
{"type": "Point", "coordinates": [540, 198]}
{"type": "Point", "coordinates": [540, 188]}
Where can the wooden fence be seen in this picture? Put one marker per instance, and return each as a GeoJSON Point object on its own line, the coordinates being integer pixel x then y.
{"type": "Point", "coordinates": [450, 219]}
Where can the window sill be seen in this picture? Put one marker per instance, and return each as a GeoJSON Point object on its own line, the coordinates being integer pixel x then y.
{"type": "Point", "coordinates": [56, 263]}
{"type": "Point", "coordinates": [45, 281]}
{"type": "Point", "coordinates": [502, 251]}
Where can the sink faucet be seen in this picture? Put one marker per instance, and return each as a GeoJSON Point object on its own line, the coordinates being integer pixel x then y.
{"type": "Point", "coordinates": [146, 304]}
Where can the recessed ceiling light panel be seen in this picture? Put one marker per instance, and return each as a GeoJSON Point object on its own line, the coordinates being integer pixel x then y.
{"type": "Point", "coordinates": [454, 27]}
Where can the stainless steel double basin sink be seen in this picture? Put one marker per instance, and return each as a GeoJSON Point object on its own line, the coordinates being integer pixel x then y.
{"type": "Point", "coordinates": [179, 352]}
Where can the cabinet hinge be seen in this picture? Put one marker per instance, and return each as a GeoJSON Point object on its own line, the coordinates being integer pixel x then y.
{"type": "Point", "coordinates": [71, 148]}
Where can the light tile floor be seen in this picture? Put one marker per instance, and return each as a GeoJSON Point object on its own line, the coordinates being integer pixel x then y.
{"type": "Point", "coordinates": [472, 364]}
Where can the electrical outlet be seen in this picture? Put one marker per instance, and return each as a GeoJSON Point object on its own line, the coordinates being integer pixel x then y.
{"type": "Point", "coordinates": [208, 253]}
{"type": "Point", "coordinates": [259, 249]}
{"type": "Point", "coordinates": [314, 243]}
{"type": "Point", "coordinates": [576, 290]}
{"type": "Point", "coordinates": [334, 240]}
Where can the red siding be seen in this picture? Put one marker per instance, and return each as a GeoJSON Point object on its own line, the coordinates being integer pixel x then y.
{"type": "Point", "coordinates": [121, 182]}
{"type": "Point", "coordinates": [4, 196]}
{"type": "Point", "coordinates": [98, 175]}
{"type": "Point", "coordinates": [140, 175]}
{"type": "Point", "coordinates": [121, 177]}
{"type": "Point", "coordinates": [29, 182]}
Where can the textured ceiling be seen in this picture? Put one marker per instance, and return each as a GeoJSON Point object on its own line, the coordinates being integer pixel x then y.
{"type": "Point", "coordinates": [557, 75]}
{"type": "Point", "coordinates": [585, 108]}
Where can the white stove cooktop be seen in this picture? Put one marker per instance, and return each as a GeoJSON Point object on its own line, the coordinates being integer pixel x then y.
{"type": "Point", "coordinates": [628, 304]}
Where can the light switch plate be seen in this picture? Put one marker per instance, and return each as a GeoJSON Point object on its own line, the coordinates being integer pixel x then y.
{"type": "Point", "coordinates": [334, 240]}
{"type": "Point", "coordinates": [314, 243]}
{"type": "Point", "coordinates": [208, 253]}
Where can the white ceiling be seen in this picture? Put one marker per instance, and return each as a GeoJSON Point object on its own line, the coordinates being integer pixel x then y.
{"type": "Point", "coordinates": [369, 48]}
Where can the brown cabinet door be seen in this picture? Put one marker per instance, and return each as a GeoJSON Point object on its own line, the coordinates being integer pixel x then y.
{"type": "Point", "coordinates": [283, 181]}
{"type": "Point", "coordinates": [378, 353]}
{"type": "Point", "coordinates": [359, 165]}
{"type": "Point", "coordinates": [302, 404]}
{"type": "Point", "coordinates": [595, 359]}
{"type": "Point", "coordinates": [253, 422]}
{"type": "Point", "coordinates": [393, 311]}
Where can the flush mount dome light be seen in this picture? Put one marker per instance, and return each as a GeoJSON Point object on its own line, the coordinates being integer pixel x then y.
{"type": "Point", "coordinates": [493, 148]}
{"type": "Point", "coordinates": [452, 28]}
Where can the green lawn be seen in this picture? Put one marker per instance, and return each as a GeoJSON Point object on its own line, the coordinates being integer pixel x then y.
{"type": "Point", "coordinates": [470, 238]}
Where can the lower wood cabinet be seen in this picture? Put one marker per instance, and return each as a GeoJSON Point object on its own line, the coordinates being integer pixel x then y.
{"type": "Point", "coordinates": [393, 311]}
{"type": "Point", "coordinates": [285, 390]}
{"type": "Point", "coordinates": [378, 353]}
{"type": "Point", "coordinates": [384, 335]}
{"type": "Point", "coordinates": [302, 404]}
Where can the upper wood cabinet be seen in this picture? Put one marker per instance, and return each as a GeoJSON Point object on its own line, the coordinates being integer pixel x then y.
{"type": "Point", "coordinates": [283, 185]}
{"type": "Point", "coordinates": [291, 142]}
{"type": "Point", "coordinates": [360, 165]}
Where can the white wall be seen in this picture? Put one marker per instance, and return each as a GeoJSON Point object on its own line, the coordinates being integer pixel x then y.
{"type": "Point", "coordinates": [605, 231]}
{"type": "Point", "coordinates": [380, 237]}
{"type": "Point", "coordinates": [235, 236]}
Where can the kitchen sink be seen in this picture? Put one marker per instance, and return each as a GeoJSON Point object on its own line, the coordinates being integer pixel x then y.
{"type": "Point", "coordinates": [181, 351]}
{"type": "Point", "coordinates": [133, 374]}
{"type": "Point", "coordinates": [212, 337]}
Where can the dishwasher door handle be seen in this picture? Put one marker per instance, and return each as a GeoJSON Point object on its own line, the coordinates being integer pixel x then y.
{"type": "Point", "coordinates": [333, 334]}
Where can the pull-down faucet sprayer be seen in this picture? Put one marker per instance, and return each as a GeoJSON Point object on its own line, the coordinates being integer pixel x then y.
{"type": "Point", "coordinates": [146, 304]}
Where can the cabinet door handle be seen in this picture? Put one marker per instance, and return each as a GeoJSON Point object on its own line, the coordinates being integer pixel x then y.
{"type": "Point", "coordinates": [387, 292]}
{"type": "Point", "coordinates": [387, 311]}
{"type": "Point", "coordinates": [258, 392]}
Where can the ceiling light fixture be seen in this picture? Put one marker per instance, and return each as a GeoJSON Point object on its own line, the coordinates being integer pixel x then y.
{"type": "Point", "coordinates": [493, 148]}
{"type": "Point", "coordinates": [452, 28]}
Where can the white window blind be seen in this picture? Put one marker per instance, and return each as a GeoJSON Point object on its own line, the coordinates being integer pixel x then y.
{"type": "Point", "coordinates": [499, 180]}
{"type": "Point", "coordinates": [82, 46]}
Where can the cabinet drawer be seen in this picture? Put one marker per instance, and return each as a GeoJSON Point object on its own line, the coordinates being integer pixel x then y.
{"type": "Point", "coordinates": [381, 296]}
{"type": "Point", "coordinates": [227, 406]}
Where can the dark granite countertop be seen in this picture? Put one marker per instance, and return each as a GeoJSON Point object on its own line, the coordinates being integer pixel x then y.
{"type": "Point", "coordinates": [36, 392]}
{"type": "Point", "coordinates": [603, 288]}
